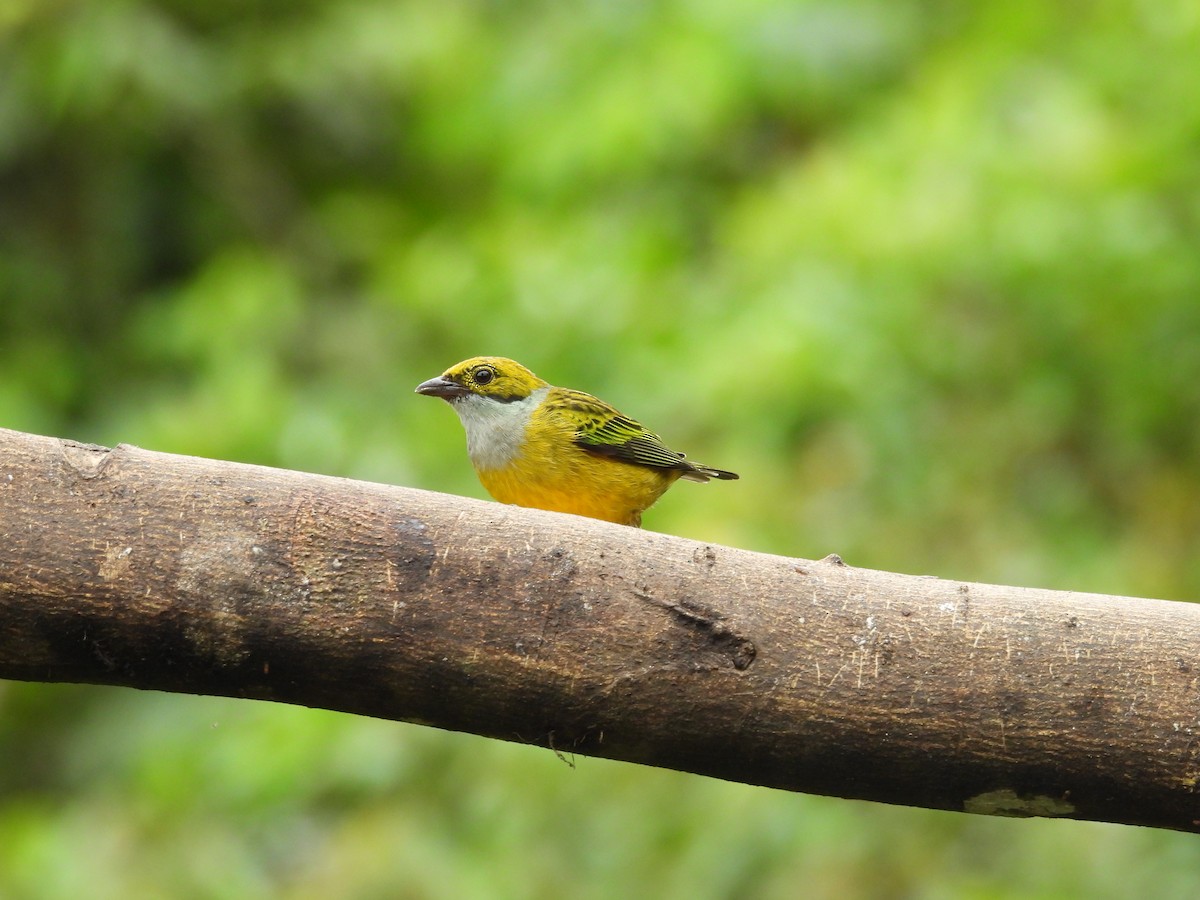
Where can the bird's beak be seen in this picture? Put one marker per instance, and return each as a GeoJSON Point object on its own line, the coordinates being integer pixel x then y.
{"type": "Point", "coordinates": [441, 387]}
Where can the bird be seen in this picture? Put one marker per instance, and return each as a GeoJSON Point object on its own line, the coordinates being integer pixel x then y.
{"type": "Point", "coordinates": [536, 445]}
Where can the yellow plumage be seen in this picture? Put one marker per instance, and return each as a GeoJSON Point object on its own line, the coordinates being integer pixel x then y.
{"type": "Point", "coordinates": [551, 448]}
{"type": "Point", "coordinates": [552, 473]}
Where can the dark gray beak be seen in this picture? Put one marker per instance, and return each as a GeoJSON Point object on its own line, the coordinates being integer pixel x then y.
{"type": "Point", "coordinates": [441, 387]}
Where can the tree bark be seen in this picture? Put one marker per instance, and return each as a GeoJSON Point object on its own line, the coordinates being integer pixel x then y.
{"type": "Point", "coordinates": [131, 567]}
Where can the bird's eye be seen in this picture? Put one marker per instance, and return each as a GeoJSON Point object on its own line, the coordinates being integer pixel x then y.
{"type": "Point", "coordinates": [484, 375]}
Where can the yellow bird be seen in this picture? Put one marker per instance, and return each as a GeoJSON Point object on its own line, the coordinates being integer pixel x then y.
{"type": "Point", "coordinates": [548, 447]}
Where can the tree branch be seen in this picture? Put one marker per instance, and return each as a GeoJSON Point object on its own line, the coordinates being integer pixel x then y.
{"type": "Point", "coordinates": [166, 572]}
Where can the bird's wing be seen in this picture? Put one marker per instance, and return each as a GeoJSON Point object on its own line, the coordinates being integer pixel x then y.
{"type": "Point", "coordinates": [602, 429]}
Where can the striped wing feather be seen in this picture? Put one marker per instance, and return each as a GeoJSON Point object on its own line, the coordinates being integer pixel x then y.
{"type": "Point", "coordinates": [604, 430]}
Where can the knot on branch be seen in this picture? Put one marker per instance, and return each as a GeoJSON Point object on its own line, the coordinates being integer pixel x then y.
{"type": "Point", "coordinates": [715, 629]}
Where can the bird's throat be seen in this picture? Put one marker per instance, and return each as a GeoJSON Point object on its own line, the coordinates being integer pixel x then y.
{"type": "Point", "coordinates": [495, 430]}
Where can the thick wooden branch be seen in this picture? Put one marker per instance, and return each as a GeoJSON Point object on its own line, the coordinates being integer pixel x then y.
{"type": "Point", "coordinates": [167, 572]}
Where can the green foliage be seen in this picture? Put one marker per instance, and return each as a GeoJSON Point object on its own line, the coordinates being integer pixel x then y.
{"type": "Point", "coordinates": [925, 274]}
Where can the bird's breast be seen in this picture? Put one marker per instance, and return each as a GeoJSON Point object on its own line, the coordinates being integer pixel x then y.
{"type": "Point", "coordinates": [551, 473]}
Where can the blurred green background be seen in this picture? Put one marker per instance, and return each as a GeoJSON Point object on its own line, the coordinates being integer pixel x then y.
{"type": "Point", "coordinates": [926, 274]}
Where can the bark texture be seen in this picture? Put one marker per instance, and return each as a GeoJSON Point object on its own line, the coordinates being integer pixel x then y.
{"type": "Point", "coordinates": [145, 569]}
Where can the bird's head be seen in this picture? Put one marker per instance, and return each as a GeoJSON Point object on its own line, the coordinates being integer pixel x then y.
{"type": "Point", "coordinates": [488, 377]}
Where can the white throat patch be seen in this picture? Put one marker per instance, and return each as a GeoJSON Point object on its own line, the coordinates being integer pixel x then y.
{"type": "Point", "coordinates": [495, 430]}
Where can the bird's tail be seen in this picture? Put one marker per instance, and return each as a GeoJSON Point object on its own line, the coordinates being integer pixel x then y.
{"type": "Point", "coordinates": [697, 472]}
